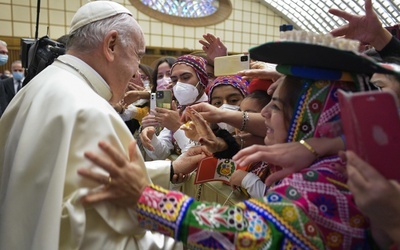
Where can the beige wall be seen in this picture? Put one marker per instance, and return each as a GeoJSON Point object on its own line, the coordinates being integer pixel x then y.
{"type": "Point", "coordinates": [250, 24]}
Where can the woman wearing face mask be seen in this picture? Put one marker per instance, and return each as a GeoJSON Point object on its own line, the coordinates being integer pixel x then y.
{"type": "Point", "coordinates": [189, 80]}
{"type": "Point", "coordinates": [227, 92]}
{"type": "Point", "coordinates": [162, 73]}
{"type": "Point", "coordinates": [160, 79]}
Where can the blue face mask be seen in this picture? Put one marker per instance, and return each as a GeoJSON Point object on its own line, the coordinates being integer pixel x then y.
{"type": "Point", "coordinates": [18, 75]}
{"type": "Point", "coordinates": [3, 59]}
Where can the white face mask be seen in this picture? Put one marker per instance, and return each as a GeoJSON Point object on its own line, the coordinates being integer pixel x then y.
{"type": "Point", "coordinates": [224, 125]}
{"type": "Point", "coordinates": [230, 107]}
{"type": "Point", "coordinates": [185, 93]}
{"type": "Point", "coordinates": [163, 83]}
{"type": "Point", "coordinates": [3, 59]}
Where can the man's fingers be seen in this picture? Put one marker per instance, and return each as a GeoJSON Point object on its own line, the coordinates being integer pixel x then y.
{"type": "Point", "coordinates": [133, 150]}
{"type": "Point", "coordinates": [93, 198]}
{"type": "Point", "coordinates": [105, 164]}
{"type": "Point", "coordinates": [113, 153]}
{"type": "Point", "coordinates": [96, 177]}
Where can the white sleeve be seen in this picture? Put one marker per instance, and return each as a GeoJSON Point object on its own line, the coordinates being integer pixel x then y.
{"type": "Point", "coordinates": [183, 142]}
{"type": "Point", "coordinates": [129, 113]}
{"type": "Point", "coordinates": [162, 145]}
{"type": "Point", "coordinates": [159, 172]}
{"type": "Point", "coordinates": [254, 186]}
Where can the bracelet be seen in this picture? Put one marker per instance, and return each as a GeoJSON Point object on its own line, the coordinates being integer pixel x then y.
{"type": "Point", "coordinates": [241, 140]}
{"type": "Point", "coordinates": [308, 146]}
{"type": "Point", "coordinates": [244, 121]}
{"type": "Point", "coordinates": [172, 172]}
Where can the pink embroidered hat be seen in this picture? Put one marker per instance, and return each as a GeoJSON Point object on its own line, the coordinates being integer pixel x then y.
{"type": "Point", "coordinates": [198, 64]}
{"type": "Point", "coordinates": [95, 11]}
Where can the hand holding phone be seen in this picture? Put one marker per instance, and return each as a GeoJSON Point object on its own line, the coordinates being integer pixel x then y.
{"type": "Point", "coordinates": [230, 65]}
{"type": "Point", "coordinates": [371, 124]}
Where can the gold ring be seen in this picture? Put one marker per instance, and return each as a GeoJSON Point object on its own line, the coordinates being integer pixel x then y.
{"type": "Point", "coordinates": [109, 181]}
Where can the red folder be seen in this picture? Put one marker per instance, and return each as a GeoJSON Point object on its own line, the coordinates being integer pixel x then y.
{"type": "Point", "coordinates": [371, 124]}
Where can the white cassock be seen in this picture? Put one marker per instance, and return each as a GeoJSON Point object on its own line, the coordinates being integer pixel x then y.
{"type": "Point", "coordinates": [44, 133]}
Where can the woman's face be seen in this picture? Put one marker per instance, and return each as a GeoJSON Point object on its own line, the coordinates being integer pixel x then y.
{"type": "Point", "coordinates": [163, 76]}
{"type": "Point", "coordinates": [226, 94]}
{"type": "Point", "coordinates": [386, 83]}
{"type": "Point", "coordinates": [184, 74]}
{"type": "Point", "coordinates": [251, 105]}
{"type": "Point", "coordinates": [163, 71]}
{"type": "Point", "coordinates": [275, 120]}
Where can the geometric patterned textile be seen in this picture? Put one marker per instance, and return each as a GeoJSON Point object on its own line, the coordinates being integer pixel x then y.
{"type": "Point", "coordinates": [311, 209]}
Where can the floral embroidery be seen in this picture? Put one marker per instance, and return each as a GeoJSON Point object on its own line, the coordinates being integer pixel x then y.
{"type": "Point", "coordinates": [315, 106]}
{"type": "Point", "coordinates": [258, 228]}
{"type": "Point", "coordinates": [292, 193]}
{"type": "Point", "coordinates": [305, 127]}
{"type": "Point", "coordinates": [289, 214]}
{"type": "Point", "coordinates": [274, 198]}
{"type": "Point", "coordinates": [310, 175]}
{"type": "Point", "coordinates": [211, 216]}
{"type": "Point", "coordinates": [326, 205]}
{"type": "Point", "coordinates": [168, 205]}
{"type": "Point", "coordinates": [334, 239]}
{"type": "Point", "coordinates": [235, 218]}
{"type": "Point", "coordinates": [310, 229]}
{"type": "Point", "coordinates": [357, 221]}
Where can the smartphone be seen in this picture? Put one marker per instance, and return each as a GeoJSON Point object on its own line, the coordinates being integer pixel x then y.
{"type": "Point", "coordinates": [152, 101]}
{"type": "Point", "coordinates": [164, 98]}
{"type": "Point", "coordinates": [371, 124]}
{"type": "Point", "coordinates": [230, 65]}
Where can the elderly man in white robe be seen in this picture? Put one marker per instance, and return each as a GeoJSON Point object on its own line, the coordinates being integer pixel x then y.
{"type": "Point", "coordinates": [63, 112]}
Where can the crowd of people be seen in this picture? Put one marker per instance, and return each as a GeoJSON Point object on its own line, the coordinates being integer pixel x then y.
{"type": "Point", "coordinates": [87, 163]}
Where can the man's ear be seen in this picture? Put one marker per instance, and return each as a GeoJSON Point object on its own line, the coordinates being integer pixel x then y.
{"type": "Point", "coordinates": [109, 44]}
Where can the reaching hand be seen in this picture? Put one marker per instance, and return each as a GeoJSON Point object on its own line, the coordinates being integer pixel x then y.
{"type": "Point", "coordinates": [205, 134]}
{"type": "Point", "coordinates": [367, 29]}
{"type": "Point", "coordinates": [296, 158]}
{"type": "Point", "coordinates": [127, 177]}
{"type": "Point", "coordinates": [149, 121]}
{"type": "Point", "coordinates": [188, 161]}
{"type": "Point", "coordinates": [190, 131]}
{"type": "Point", "coordinates": [377, 197]}
{"type": "Point", "coordinates": [146, 136]}
{"type": "Point", "coordinates": [237, 178]}
{"type": "Point", "coordinates": [131, 97]}
{"type": "Point", "coordinates": [209, 112]}
{"type": "Point", "coordinates": [167, 118]}
{"type": "Point", "coordinates": [213, 47]}
{"type": "Point", "coordinates": [267, 74]}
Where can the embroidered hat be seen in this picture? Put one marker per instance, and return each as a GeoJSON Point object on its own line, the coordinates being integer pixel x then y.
{"type": "Point", "coordinates": [198, 64]}
{"type": "Point", "coordinates": [317, 51]}
{"type": "Point", "coordinates": [234, 81]}
{"type": "Point", "coordinates": [95, 11]}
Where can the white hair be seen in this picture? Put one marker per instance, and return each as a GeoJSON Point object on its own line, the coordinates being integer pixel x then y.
{"type": "Point", "coordinates": [88, 37]}
{"type": "Point", "coordinates": [3, 43]}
